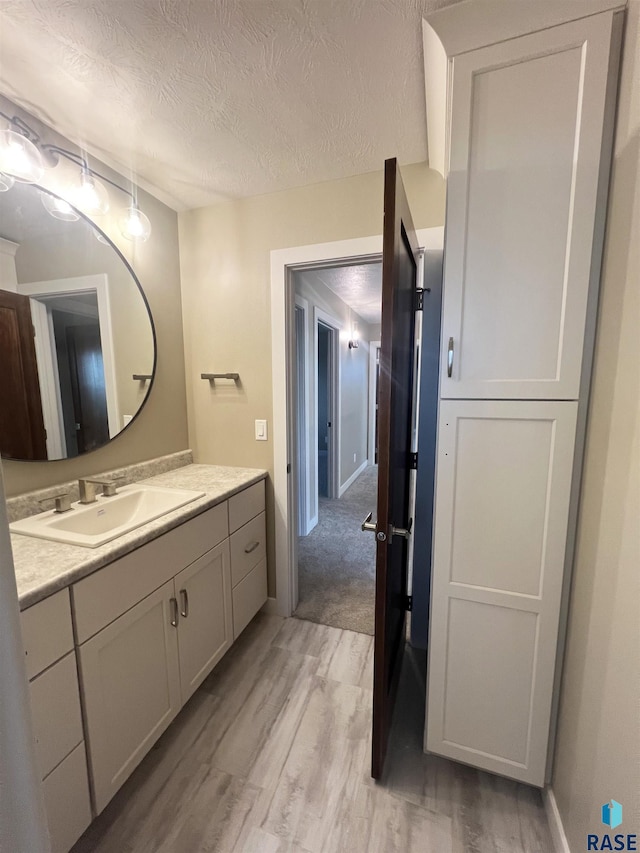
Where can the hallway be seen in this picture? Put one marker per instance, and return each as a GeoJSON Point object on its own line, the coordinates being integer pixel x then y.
{"type": "Point", "coordinates": [271, 755]}
{"type": "Point", "coordinates": [336, 561]}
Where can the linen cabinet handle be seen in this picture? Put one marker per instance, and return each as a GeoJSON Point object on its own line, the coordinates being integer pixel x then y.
{"type": "Point", "coordinates": [174, 612]}
{"type": "Point", "coordinates": [251, 547]}
{"type": "Point", "coordinates": [450, 358]}
{"type": "Point", "coordinates": [184, 603]}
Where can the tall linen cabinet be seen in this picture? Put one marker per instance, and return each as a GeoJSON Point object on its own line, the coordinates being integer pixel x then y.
{"type": "Point", "coordinates": [529, 129]}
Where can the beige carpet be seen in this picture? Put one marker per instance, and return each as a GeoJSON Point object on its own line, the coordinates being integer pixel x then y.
{"type": "Point", "coordinates": [336, 561]}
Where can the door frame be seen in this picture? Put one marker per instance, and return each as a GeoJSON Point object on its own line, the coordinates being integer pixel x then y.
{"type": "Point", "coordinates": [334, 474]}
{"type": "Point", "coordinates": [307, 519]}
{"type": "Point", "coordinates": [283, 263]}
{"type": "Point", "coordinates": [98, 283]}
{"type": "Point", "coordinates": [371, 444]}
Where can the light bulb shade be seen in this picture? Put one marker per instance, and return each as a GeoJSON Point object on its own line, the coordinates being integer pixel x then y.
{"type": "Point", "coordinates": [58, 207]}
{"type": "Point", "coordinates": [134, 224]}
{"type": "Point", "coordinates": [91, 195]}
{"type": "Point", "coordinates": [6, 182]}
{"type": "Point", "coordinates": [20, 158]}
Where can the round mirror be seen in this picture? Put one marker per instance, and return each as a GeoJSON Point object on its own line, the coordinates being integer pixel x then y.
{"type": "Point", "coordinates": [77, 343]}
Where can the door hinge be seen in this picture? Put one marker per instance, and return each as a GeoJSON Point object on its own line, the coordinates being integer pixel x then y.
{"type": "Point", "coordinates": [419, 299]}
{"type": "Point", "coordinates": [288, 467]}
{"type": "Point", "coordinates": [413, 461]}
{"type": "Point", "coordinates": [408, 603]}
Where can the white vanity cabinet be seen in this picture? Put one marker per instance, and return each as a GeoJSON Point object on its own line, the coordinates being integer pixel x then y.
{"type": "Point", "coordinates": [57, 720]}
{"type": "Point", "coordinates": [152, 625]}
{"type": "Point", "coordinates": [140, 659]}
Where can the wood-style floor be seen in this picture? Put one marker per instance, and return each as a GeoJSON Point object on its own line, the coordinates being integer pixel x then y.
{"type": "Point", "coordinates": [272, 755]}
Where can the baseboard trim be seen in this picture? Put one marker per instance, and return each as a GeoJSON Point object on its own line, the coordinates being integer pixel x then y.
{"type": "Point", "coordinates": [343, 488]}
{"type": "Point", "coordinates": [560, 843]}
{"type": "Point", "coordinates": [270, 607]}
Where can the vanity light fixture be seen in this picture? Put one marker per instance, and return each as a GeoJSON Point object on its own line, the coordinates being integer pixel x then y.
{"type": "Point", "coordinates": [19, 154]}
{"type": "Point", "coordinates": [91, 195]}
{"type": "Point", "coordinates": [134, 224]}
{"type": "Point", "coordinates": [59, 208]}
{"type": "Point", "coordinates": [23, 157]}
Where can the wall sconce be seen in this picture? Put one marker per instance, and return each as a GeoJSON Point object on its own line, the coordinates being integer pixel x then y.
{"type": "Point", "coordinates": [354, 340]}
{"type": "Point", "coordinates": [24, 158]}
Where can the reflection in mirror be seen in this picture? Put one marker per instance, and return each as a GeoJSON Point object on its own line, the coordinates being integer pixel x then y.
{"type": "Point", "coordinates": [75, 329]}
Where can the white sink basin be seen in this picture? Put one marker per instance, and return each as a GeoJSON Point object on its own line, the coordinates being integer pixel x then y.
{"type": "Point", "coordinates": [91, 525]}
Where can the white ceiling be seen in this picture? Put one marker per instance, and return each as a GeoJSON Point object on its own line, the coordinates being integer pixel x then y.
{"type": "Point", "coordinates": [360, 287]}
{"type": "Point", "coordinates": [214, 99]}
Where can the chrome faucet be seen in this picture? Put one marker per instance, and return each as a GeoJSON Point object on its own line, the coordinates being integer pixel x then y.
{"type": "Point", "coordinates": [88, 487]}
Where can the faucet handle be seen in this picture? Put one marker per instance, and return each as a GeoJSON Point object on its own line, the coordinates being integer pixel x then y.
{"type": "Point", "coordinates": [110, 487]}
{"type": "Point", "coordinates": [62, 502]}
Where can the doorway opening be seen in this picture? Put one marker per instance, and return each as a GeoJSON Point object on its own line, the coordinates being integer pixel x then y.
{"type": "Point", "coordinates": [285, 263]}
{"type": "Point", "coordinates": [336, 316]}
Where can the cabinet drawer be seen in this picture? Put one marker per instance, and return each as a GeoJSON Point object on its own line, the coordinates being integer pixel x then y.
{"type": "Point", "coordinates": [248, 548]}
{"type": "Point", "coordinates": [248, 597]}
{"type": "Point", "coordinates": [66, 801]}
{"type": "Point", "coordinates": [246, 505]}
{"type": "Point", "coordinates": [55, 708]}
{"type": "Point", "coordinates": [47, 634]}
{"type": "Point", "coordinates": [107, 594]}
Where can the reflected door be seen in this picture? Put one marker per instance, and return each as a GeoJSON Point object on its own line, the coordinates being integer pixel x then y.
{"type": "Point", "coordinates": [22, 434]}
{"type": "Point", "coordinates": [86, 368]}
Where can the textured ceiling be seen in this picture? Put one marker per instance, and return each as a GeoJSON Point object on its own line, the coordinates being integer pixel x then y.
{"type": "Point", "coordinates": [360, 287]}
{"type": "Point", "coordinates": [214, 99]}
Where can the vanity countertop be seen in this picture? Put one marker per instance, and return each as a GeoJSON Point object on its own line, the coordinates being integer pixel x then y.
{"type": "Point", "coordinates": [43, 567]}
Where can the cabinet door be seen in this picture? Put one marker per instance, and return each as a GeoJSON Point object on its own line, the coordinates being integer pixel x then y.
{"type": "Point", "coordinates": [504, 477]}
{"type": "Point", "coordinates": [131, 685]}
{"type": "Point", "coordinates": [205, 631]}
{"type": "Point", "coordinates": [526, 133]}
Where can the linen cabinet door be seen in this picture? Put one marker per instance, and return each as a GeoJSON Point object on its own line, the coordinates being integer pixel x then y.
{"type": "Point", "coordinates": [131, 684]}
{"type": "Point", "coordinates": [203, 591]}
{"type": "Point", "coordinates": [526, 133]}
{"type": "Point", "coordinates": [502, 504]}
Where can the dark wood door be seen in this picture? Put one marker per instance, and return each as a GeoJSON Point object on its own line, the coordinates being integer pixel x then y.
{"type": "Point", "coordinates": [84, 349]}
{"type": "Point", "coordinates": [395, 402]}
{"type": "Point", "coordinates": [22, 434]}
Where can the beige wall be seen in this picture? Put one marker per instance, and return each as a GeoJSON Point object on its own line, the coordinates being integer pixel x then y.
{"type": "Point", "coordinates": [598, 745]}
{"type": "Point", "coordinates": [162, 425]}
{"type": "Point", "coordinates": [225, 257]}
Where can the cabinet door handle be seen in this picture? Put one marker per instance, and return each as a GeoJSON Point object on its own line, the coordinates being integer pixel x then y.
{"type": "Point", "coordinates": [450, 358]}
{"type": "Point", "coordinates": [184, 606]}
{"type": "Point", "coordinates": [251, 547]}
{"type": "Point", "coordinates": [174, 612]}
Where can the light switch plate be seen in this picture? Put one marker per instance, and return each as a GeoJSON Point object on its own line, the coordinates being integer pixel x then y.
{"type": "Point", "coordinates": [261, 430]}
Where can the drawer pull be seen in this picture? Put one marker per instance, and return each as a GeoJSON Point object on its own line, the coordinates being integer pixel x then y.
{"type": "Point", "coordinates": [174, 612]}
{"type": "Point", "coordinates": [184, 606]}
{"type": "Point", "coordinates": [251, 547]}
